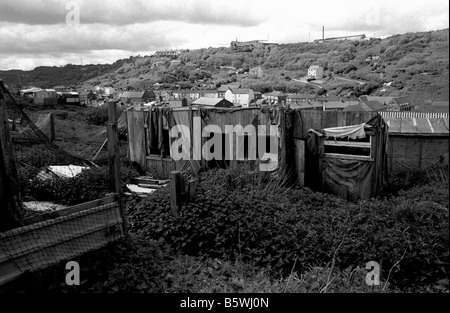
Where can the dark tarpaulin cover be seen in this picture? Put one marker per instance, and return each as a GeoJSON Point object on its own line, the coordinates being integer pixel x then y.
{"type": "Point", "coordinates": [354, 179]}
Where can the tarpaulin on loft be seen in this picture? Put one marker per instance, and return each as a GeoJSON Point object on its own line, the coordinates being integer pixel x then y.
{"type": "Point", "coordinates": [352, 175]}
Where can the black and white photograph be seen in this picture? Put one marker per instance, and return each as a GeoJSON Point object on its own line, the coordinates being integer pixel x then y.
{"type": "Point", "coordinates": [224, 155]}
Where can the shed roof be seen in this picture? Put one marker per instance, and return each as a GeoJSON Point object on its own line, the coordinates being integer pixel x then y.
{"type": "Point", "coordinates": [132, 94]}
{"type": "Point", "coordinates": [418, 126]}
{"type": "Point", "coordinates": [241, 90]}
{"type": "Point", "coordinates": [211, 101]}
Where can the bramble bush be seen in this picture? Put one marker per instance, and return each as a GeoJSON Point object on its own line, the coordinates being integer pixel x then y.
{"type": "Point", "coordinates": [239, 218]}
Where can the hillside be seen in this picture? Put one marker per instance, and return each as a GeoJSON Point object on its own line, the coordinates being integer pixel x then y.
{"type": "Point", "coordinates": [414, 63]}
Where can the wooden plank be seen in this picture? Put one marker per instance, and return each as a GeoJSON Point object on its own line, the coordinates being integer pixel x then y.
{"type": "Point", "coordinates": [299, 154]}
{"type": "Point", "coordinates": [52, 127]}
{"type": "Point", "coordinates": [114, 158]}
{"type": "Point", "coordinates": [348, 157]}
{"type": "Point", "coordinates": [46, 243]}
{"type": "Point", "coordinates": [175, 191]}
{"type": "Point", "coordinates": [348, 144]}
{"type": "Point", "coordinates": [69, 210]}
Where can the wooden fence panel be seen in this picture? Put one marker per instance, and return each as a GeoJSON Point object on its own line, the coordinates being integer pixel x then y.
{"type": "Point", "coordinates": [40, 245]}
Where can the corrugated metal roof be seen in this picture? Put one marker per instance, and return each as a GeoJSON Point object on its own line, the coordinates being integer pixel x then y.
{"type": "Point", "coordinates": [419, 126]}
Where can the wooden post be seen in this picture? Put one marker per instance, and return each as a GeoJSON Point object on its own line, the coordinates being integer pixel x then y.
{"type": "Point", "coordinates": [52, 127]}
{"type": "Point", "coordinates": [11, 213]}
{"type": "Point", "coordinates": [192, 187]}
{"type": "Point", "coordinates": [175, 190]}
{"type": "Point", "coordinates": [114, 159]}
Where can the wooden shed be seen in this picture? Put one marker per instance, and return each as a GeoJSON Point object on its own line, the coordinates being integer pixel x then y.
{"type": "Point", "coordinates": [340, 152]}
{"type": "Point", "coordinates": [416, 140]}
{"type": "Point", "coordinates": [150, 143]}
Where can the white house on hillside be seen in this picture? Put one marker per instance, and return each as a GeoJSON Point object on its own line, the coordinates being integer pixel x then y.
{"type": "Point", "coordinates": [240, 96]}
{"type": "Point", "coordinates": [315, 71]}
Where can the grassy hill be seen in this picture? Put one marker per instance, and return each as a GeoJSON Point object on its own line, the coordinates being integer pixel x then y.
{"type": "Point", "coordinates": [413, 63]}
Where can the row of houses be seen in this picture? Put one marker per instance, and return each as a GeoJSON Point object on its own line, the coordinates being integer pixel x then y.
{"type": "Point", "coordinates": [235, 95]}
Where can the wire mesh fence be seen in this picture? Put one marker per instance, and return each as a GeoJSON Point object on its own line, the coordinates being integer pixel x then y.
{"type": "Point", "coordinates": [52, 231]}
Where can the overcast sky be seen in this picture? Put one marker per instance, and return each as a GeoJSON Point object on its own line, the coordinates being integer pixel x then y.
{"type": "Point", "coordinates": [57, 32]}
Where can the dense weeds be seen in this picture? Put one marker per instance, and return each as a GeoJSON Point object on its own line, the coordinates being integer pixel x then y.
{"type": "Point", "coordinates": [296, 229]}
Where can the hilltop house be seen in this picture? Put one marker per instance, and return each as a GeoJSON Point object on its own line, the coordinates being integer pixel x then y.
{"type": "Point", "coordinates": [315, 72]}
{"type": "Point", "coordinates": [240, 96]}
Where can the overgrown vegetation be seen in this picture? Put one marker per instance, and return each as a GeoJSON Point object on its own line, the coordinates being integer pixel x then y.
{"type": "Point", "coordinates": [91, 184]}
{"type": "Point", "coordinates": [299, 229]}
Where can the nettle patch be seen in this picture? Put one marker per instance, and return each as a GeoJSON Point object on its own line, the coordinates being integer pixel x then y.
{"type": "Point", "coordinates": [407, 235]}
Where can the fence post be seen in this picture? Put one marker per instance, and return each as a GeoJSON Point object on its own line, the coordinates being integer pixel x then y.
{"type": "Point", "coordinates": [175, 190]}
{"type": "Point", "coordinates": [52, 127]}
{"type": "Point", "coordinates": [11, 213]}
{"type": "Point", "coordinates": [114, 159]}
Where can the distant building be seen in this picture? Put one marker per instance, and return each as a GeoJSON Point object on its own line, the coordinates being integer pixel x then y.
{"type": "Point", "coordinates": [240, 96]}
{"type": "Point", "coordinates": [434, 107]}
{"type": "Point", "coordinates": [315, 72]}
{"type": "Point", "coordinates": [169, 53]}
{"type": "Point", "coordinates": [41, 96]}
{"type": "Point", "coordinates": [298, 98]}
{"type": "Point", "coordinates": [215, 102]}
{"type": "Point", "coordinates": [248, 46]}
{"type": "Point", "coordinates": [88, 97]}
{"type": "Point", "coordinates": [351, 37]}
{"type": "Point", "coordinates": [222, 89]}
{"type": "Point", "coordinates": [60, 88]}
{"type": "Point", "coordinates": [366, 105]}
{"type": "Point", "coordinates": [404, 103]}
{"type": "Point", "coordinates": [193, 94]}
{"type": "Point", "coordinates": [276, 97]}
{"type": "Point", "coordinates": [137, 96]}
{"type": "Point", "coordinates": [256, 72]}
{"type": "Point", "coordinates": [175, 63]}
{"type": "Point", "coordinates": [69, 97]}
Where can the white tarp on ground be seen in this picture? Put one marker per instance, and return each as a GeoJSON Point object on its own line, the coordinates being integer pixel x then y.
{"type": "Point", "coordinates": [137, 189]}
{"type": "Point", "coordinates": [353, 131]}
{"type": "Point", "coordinates": [66, 171]}
{"type": "Point", "coordinates": [270, 162]}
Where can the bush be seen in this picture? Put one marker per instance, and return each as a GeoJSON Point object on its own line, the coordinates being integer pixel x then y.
{"type": "Point", "coordinates": [97, 116]}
